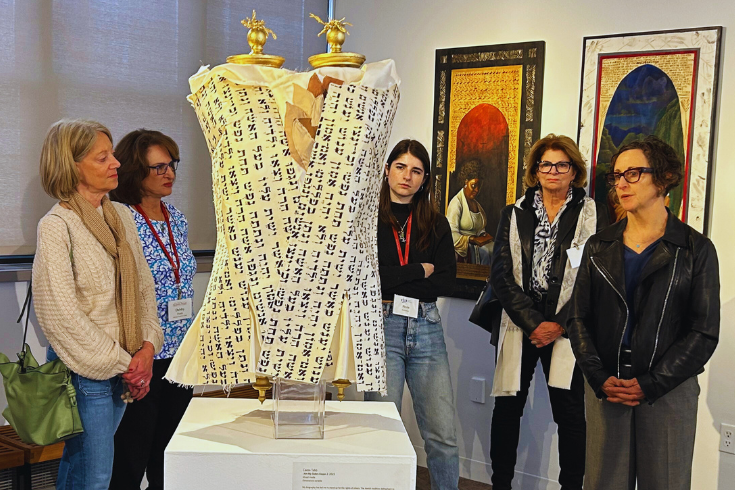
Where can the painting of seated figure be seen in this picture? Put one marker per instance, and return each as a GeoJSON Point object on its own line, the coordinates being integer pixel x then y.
{"type": "Point", "coordinates": [487, 114]}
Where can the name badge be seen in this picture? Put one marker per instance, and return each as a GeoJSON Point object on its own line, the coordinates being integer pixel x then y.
{"type": "Point", "coordinates": [179, 309]}
{"type": "Point", "coordinates": [575, 256]}
{"type": "Point", "coordinates": [405, 306]}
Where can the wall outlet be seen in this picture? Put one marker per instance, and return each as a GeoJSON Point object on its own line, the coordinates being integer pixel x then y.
{"type": "Point", "coordinates": [727, 438]}
{"type": "Point", "coordinates": [477, 389]}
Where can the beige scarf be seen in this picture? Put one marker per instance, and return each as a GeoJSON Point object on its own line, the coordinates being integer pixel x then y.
{"type": "Point", "coordinates": [110, 232]}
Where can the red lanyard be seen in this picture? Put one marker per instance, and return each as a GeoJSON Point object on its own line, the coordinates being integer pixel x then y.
{"type": "Point", "coordinates": [403, 259]}
{"type": "Point", "coordinates": [174, 265]}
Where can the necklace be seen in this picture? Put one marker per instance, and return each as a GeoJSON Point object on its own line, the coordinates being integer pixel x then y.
{"type": "Point", "coordinates": [646, 240]}
{"type": "Point", "coordinates": [402, 231]}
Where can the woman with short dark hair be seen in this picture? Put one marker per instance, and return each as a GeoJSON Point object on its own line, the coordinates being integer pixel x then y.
{"type": "Point", "coordinates": [535, 260]}
{"type": "Point", "coordinates": [644, 320]}
{"type": "Point", "coordinates": [134, 149]}
{"type": "Point", "coordinates": [148, 164]}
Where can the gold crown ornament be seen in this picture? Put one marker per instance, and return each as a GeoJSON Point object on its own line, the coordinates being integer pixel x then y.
{"type": "Point", "coordinates": [257, 36]}
{"type": "Point", "coordinates": [336, 34]}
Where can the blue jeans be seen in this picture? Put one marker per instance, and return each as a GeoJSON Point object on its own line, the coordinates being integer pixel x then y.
{"type": "Point", "coordinates": [416, 354]}
{"type": "Point", "coordinates": [87, 460]}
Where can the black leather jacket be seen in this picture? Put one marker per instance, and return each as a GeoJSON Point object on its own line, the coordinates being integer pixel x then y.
{"type": "Point", "coordinates": [514, 300]}
{"type": "Point", "coordinates": [677, 305]}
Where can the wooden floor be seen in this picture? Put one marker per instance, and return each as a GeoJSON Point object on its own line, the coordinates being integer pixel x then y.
{"type": "Point", "coordinates": [423, 482]}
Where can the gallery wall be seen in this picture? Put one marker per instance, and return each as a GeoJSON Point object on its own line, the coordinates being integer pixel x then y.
{"type": "Point", "coordinates": [409, 31]}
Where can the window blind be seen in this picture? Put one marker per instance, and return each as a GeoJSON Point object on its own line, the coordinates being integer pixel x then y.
{"type": "Point", "coordinates": [126, 64]}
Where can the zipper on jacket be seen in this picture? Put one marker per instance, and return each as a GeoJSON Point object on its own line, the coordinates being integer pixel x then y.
{"type": "Point", "coordinates": [627, 311]}
{"type": "Point", "coordinates": [666, 300]}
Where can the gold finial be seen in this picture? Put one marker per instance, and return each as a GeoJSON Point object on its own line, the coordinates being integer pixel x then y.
{"type": "Point", "coordinates": [257, 36]}
{"type": "Point", "coordinates": [335, 30]}
{"type": "Point", "coordinates": [341, 384]}
{"type": "Point", "coordinates": [336, 34]}
{"type": "Point", "coordinates": [258, 33]}
{"type": "Point", "coordinates": [262, 385]}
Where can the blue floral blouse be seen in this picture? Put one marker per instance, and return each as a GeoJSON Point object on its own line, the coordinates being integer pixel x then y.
{"type": "Point", "coordinates": [163, 274]}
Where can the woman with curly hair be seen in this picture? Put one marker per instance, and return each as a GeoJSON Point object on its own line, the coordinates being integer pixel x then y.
{"type": "Point", "coordinates": [467, 218]}
{"type": "Point", "coordinates": [644, 320]}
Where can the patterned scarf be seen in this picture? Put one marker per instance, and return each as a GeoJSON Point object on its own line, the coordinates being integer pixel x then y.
{"type": "Point", "coordinates": [544, 243]}
{"type": "Point", "coordinates": [507, 377]}
{"type": "Point", "coordinates": [108, 229]}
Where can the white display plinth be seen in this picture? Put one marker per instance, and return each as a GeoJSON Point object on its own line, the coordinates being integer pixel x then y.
{"type": "Point", "coordinates": [228, 444]}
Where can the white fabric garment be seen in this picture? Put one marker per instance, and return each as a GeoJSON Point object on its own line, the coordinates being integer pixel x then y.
{"type": "Point", "coordinates": [296, 169]}
{"type": "Point", "coordinates": [507, 378]}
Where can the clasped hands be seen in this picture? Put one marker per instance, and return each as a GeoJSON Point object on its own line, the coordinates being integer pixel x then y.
{"type": "Point", "coordinates": [545, 333]}
{"type": "Point", "coordinates": [624, 391]}
{"type": "Point", "coordinates": [140, 371]}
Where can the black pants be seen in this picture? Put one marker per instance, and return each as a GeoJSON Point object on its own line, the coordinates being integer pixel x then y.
{"type": "Point", "coordinates": [567, 407]}
{"type": "Point", "coordinates": [145, 431]}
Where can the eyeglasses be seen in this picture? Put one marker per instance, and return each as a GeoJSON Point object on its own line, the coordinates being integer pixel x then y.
{"type": "Point", "coordinates": [162, 168]}
{"type": "Point", "coordinates": [632, 175]}
{"type": "Point", "coordinates": [561, 167]}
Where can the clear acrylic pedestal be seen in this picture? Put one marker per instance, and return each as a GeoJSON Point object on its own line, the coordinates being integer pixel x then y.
{"type": "Point", "coordinates": [298, 409]}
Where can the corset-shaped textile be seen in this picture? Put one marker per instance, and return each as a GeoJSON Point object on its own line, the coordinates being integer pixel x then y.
{"type": "Point", "coordinates": [297, 163]}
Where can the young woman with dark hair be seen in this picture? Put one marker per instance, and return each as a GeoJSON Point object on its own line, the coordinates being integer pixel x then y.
{"type": "Point", "coordinates": [416, 257]}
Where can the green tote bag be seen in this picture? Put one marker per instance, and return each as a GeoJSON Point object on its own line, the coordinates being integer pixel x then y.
{"type": "Point", "coordinates": [42, 402]}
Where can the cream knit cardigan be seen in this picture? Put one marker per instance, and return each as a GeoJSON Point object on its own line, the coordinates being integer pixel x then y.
{"type": "Point", "coordinates": [74, 294]}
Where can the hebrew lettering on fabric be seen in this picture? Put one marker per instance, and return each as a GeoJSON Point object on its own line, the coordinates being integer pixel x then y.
{"type": "Point", "coordinates": [332, 259]}
{"type": "Point", "coordinates": [295, 271]}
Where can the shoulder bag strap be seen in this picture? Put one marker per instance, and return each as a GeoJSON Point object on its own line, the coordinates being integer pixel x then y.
{"type": "Point", "coordinates": [29, 299]}
{"type": "Point", "coordinates": [27, 312]}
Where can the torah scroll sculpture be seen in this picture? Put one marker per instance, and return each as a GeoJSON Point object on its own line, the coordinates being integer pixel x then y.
{"type": "Point", "coordinates": [297, 163]}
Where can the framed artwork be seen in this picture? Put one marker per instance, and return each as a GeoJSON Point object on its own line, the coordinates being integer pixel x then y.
{"type": "Point", "coordinates": [487, 114]}
{"type": "Point", "coordinates": [662, 83]}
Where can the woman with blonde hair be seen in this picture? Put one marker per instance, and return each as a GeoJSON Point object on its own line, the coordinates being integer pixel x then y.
{"type": "Point", "coordinates": [94, 294]}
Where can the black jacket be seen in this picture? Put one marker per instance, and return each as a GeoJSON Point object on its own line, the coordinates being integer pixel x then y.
{"type": "Point", "coordinates": [514, 300]}
{"type": "Point", "coordinates": [677, 305]}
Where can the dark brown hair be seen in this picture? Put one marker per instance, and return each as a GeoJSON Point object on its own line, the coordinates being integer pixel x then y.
{"type": "Point", "coordinates": [132, 153]}
{"type": "Point", "coordinates": [422, 203]}
{"type": "Point", "coordinates": [667, 171]}
{"type": "Point", "coordinates": [555, 142]}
